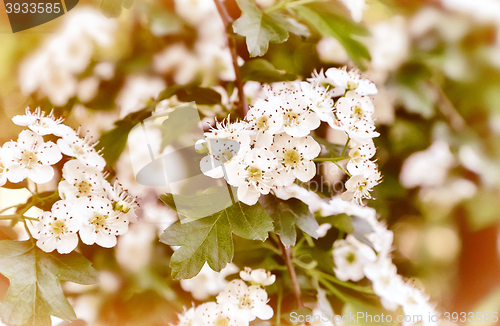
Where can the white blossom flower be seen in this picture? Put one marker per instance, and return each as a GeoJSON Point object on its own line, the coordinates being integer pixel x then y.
{"type": "Point", "coordinates": [100, 223]}
{"type": "Point", "coordinates": [350, 257]}
{"type": "Point", "coordinates": [57, 229]}
{"type": "Point", "coordinates": [427, 168]}
{"type": "Point", "coordinates": [320, 101]}
{"type": "Point", "coordinates": [222, 147]}
{"type": "Point", "coordinates": [251, 301]}
{"type": "Point", "coordinates": [40, 123]}
{"type": "Point", "coordinates": [208, 282]}
{"type": "Point", "coordinates": [298, 120]}
{"type": "Point", "coordinates": [354, 113]}
{"type": "Point", "coordinates": [295, 155]}
{"type": "Point", "coordinates": [5, 161]}
{"type": "Point", "coordinates": [323, 229]}
{"type": "Point", "coordinates": [81, 181]}
{"type": "Point", "coordinates": [254, 175]}
{"type": "Point", "coordinates": [359, 155]}
{"type": "Point", "coordinates": [73, 145]}
{"type": "Point", "coordinates": [387, 284]}
{"type": "Point", "coordinates": [32, 158]}
{"type": "Point", "coordinates": [187, 318]}
{"type": "Point", "coordinates": [417, 303]}
{"type": "Point", "coordinates": [122, 201]}
{"type": "Point", "coordinates": [360, 185]}
{"type": "Point", "coordinates": [265, 118]}
{"type": "Point", "coordinates": [344, 80]}
{"type": "Point", "coordinates": [258, 276]}
{"type": "Point", "coordinates": [214, 314]}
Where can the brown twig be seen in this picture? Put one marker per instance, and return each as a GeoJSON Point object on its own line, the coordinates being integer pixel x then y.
{"type": "Point", "coordinates": [287, 256]}
{"type": "Point", "coordinates": [231, 44]}
{"type": "Point", "coordinates": [447, 108]}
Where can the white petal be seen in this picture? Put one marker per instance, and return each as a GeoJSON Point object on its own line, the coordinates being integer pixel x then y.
{"type": "Point", "coordinates": [41, 173]}
{"type": "Point", "coordinates": [264, 312]}
{"type": "Point", "coordinates": [105, 240]}
{"type": "Point", "coordinates": [88, 235]}
{"type": "Point", "coordinates": [306, 171]}
{"type": "Point", "coordinates": [67, 243]}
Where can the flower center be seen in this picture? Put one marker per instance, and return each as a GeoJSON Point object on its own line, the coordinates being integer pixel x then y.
{"type": "Point", "coordinates": [225, 156]}
{"type": "Point", "coordinates": [362, 186]}
{"type": "Point", "coordinates": [59, 227]}
{"type": "Point", "coordinates": [78, 149]}
{"type": "Point", "coordinates": [254, 174]}
{"type": "Point", "coordinates": [358, 113]}
{"type": "Point", "coordinates": [245, 302]}
{"type": "Point", "coordinates": [84, 188]}
{"type": "Point", "coordinates": [290, 118]}
{"type": "Point", "coordinates": [29, 159]}
{"type": "Point", "coordinates": [352, 85]}
{"type": "Point", "coordinates": [291, 158]}
{"type": "Point", "coordinates": [262, 123]}
{"type": "Point", "coordinates": [350, 257]}
{"type": "Point", "coordinates": [221, 321]}
{"type": "Point", "coordinates": [121, 206]}
{"type": "Point", "coordinates": [99, 222]}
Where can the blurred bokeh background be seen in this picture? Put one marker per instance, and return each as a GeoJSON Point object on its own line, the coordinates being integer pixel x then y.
{"type": "Point", "coordinates": [437, 67]}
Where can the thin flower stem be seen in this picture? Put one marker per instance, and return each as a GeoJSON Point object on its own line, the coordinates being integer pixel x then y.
{"type": "Point", "coordinates": [278, 308]}
{"type": "Point", "coordinates": [345, 146]}
{"type": "Point", "coordinates": [354, 287]}
{"type": "Point", "coordinates": [330, 159]}
{"type": "Point", "coordinates": [9, 217]}
{"type": "Point", "coordinates": [287, 256]}
{"type": "Point", "coordinates": [231, 44]}
{"type": "Point", "coordinates": [343, 170]}
{"type": "Point", "coordinates": [334, 290]}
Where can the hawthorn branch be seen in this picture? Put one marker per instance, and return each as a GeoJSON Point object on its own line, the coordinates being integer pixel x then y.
{"type": "Point", "coordinates": [231, 44]}
{"type": "Point", "coordinates": [287, 256]}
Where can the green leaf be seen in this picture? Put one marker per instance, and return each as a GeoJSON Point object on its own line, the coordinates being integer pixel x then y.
{"type": "Point", "coordinates": [113, 142]}
{"type": "Point", "coordinates": [342, 222]}
{"type": "Point", "coordinates": [209, 239]}
{"type": "Point", "coordinates": [263, 71]}
{"type": "Point", "coordinates": [287, 215]}
{"type": "Point", "coordinates": [332, 24]}
{"type": "Point", "coordinates": [113, 8]}
{"type": "Point", "coordinates": [35, 291]}
{"type": "Point", "coordinates": [258, 28]}
{"type": "Point", "coordinates": [190, 93]}
{"type": "Point", "coordinates": [177, 124]}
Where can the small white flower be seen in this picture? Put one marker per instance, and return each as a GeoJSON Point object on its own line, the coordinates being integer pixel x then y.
{"type": "Point", "coordinates": [298, 120]}
{"type": "Point", "coordinates": [295, 155]}
{"type": "Point", "coordinates": [226, 142]}
{"type": "Point", "coordinates": [214, 314]}
{"type": "Point", "coordinates": [81, 181]}
{"type": "Point", "coordinates": [57, 229]}
{"type": "Point", "coordinates": [265, 118]}
{"type": "Point", "coordinates": [100, 223]}
{"type": "Point", "coordinates": [387, 284]}
{"type": "Point", "coordinates": [259, 276]}
{"type": "Point", "coordinates": [360, 185]}
{"type": "Point", "coordinates": [254, 175]}
{"type": "Point", "coordinates": [208, 282]}
{"type": "Point", "coordinates": [41, 124]}
{"type": "Point", "coordinates": [359, 155]}
{"type": "Point", "coordinates": [32, 158]}
{"type": "Point", "coordinates": [5, 161]}
{"type": "Point", "coordinates": [187, 318]}
{"type": "Point", "coordinates": [122, 201]}
{"type": "Point", "coordinates": [344, 80]}
{"type": "Point", "coordinates": [416, 303]}
{"type": "Point", "coordinates": [80, 148]}
{"type": "Point", "coordinates": [350, 257]}
{"type": "Point", "coordinates": [320, 101]}
{"type": "Point", "coordinates": [354, 113]}
{"type": "Point", "coordinates": [251, 301]}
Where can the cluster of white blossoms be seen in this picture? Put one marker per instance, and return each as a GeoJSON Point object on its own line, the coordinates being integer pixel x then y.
{"type": "Point", "coordinates": [240, 302]}
{"type": "Point", "coordinates": [90, 206]}
{"type": "Point", "coordinates": [366, 253]}
{"type": "Point", "coordinates": [272, 146]}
